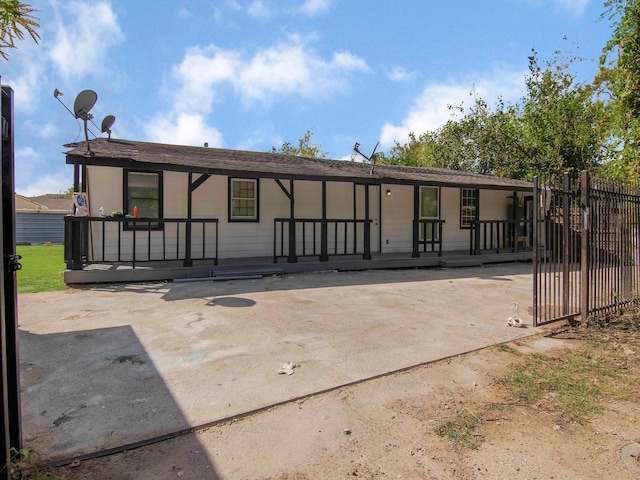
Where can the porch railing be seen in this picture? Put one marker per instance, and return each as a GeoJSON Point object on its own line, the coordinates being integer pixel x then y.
{"type": "Point", "coordinates": [499, 236]}
{"type": "Point", "coordinates": [134, 240]}
{"type": "Point", "coordinates": [428, 235]}
{"type": "Point", "coordinates": [321, 238]}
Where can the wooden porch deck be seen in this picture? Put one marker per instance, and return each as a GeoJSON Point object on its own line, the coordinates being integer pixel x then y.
{"type": "Point", "coordinates": [259, 266]}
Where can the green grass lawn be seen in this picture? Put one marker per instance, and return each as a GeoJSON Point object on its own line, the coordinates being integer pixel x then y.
{"type": "Point", "coordinates": [42, 267]}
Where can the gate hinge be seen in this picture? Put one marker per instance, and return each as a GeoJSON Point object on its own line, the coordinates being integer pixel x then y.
{"type": "Point", "coordinates": [13, 263]}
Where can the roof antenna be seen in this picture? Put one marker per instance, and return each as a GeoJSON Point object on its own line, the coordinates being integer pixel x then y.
{"type": "Point", "coordinates": [371, 158]}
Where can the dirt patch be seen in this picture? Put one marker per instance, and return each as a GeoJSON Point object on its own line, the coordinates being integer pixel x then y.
{"type": "Point", "coordinates": [394, 427]}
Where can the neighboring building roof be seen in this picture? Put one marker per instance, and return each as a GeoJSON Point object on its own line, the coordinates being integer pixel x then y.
{"type": "Point", "coordinates": [156, 156]}
{"type": "Point", "coordinates": [49, 203]}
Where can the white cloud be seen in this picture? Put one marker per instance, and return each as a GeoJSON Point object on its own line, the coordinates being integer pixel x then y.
{"type": "Point", "coordinates": [29, 181]}
{"type": "Point", "coordinates": [575, 7]}
{"type": "Point", "coordinates": [288, 68]}
{"type": "Point", "coordinates": [183, 129]}
{"type": "Point", "coordinates": [84, 33]}
{"type": "Point", "coordinates": [258, 9]}
{"type": "Point", "coordinates": [315, 7]}
{"type": "Point", "coordinates": [430, 109]}
{"type": "Point", "coordinates": [52, 183]}
{"type": "Point", "coordinates": [399, 74]}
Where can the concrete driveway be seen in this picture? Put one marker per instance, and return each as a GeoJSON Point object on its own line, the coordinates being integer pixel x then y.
{"type": "Point", "coordinates": [117, 364]}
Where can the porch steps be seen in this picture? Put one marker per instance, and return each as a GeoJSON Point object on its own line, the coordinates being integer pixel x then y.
{"type": "Point", "coordinates": [460, 262]}
{"type": "Point", "coordinates": [230, 272]}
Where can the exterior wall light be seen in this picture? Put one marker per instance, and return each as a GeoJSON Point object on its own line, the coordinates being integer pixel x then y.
{"type": "Point", "coordinates": [388, 193]}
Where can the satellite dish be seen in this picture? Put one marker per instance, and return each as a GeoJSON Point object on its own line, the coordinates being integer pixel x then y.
{"type": "Point", "coordinates": [85, 101]}
{"type": "Point", "coordinates": [106, 123]}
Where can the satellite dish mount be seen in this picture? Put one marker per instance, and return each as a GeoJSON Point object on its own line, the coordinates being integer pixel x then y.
{"type": "Point", "coordinates": [85, 101]}
{"type": "Point", "coordinates": [81, 108]}
{"type": "Point", "coordinates": [371, 159]}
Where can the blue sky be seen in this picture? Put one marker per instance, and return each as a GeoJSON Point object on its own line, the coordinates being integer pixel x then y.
{"type": "Point", "coordinates": [252, 74]}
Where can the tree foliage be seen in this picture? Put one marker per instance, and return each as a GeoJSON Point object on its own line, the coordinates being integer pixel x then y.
{"type": "Point", "coordinates": [620, 74]}
{"type": "Point", "coordinates": [15, 17]}
{"type": "Point", "coordinates": [559, 125]}
{"type": "Point", "coordinates": [304, 148]}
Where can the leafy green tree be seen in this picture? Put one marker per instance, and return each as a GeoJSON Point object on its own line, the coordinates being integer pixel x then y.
{"type": "Point", "coordinates": [620, 73]}
{"type": "Point", "coordinates": [15, 17]}
{"type": "Point", "coordinates": [304, 148]}
{"type": "Point", "coordinates": [559, 125]}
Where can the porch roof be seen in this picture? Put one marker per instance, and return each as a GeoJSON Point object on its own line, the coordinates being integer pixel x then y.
{"type": "Point", "coordinates": [218, 161]}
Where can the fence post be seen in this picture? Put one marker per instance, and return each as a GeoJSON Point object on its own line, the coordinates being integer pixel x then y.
{"type": "Point", "coordinates": [536, 247]}
{"type": "Point", "coordinates": [566, 219]}
{"type": "Point", "coordinates": [584, 248]}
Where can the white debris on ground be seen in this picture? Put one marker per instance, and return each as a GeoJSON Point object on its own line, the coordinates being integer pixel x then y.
{"type": "Point", "coordinates": [515, 320]}
{"type": "Point", "coordinates": [287, 368]}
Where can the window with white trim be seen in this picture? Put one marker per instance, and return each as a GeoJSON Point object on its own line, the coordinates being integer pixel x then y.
{"type": "Point", "coordinates": [243, 199]}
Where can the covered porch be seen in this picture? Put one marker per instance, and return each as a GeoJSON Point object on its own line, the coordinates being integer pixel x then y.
{"type": "Point", "coordinates": [321, 245]}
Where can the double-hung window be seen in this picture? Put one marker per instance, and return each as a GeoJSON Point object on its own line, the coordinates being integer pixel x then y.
{"type": "Point", "coordinates": [143, 195]}
{"type": "Point", "coordinates": [243, 200]}
{"type": "Point", "coordinates": [468, 207]}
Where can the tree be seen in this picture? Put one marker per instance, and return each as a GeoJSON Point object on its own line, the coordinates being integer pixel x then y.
{"type": "Point", "coordinates": [303, 149]}
{"type": "Point", "coordinates": [620, 73]}
{"type": "Point", "coordinates": [559, 125]}
{"type": "Point", "coordinates": [14, 17]}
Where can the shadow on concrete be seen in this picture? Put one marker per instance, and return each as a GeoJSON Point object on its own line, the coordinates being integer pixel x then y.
{"type": "Point", "coordinates": [296, 281]}
{"type": "Point", "coordinates": [92, 390]}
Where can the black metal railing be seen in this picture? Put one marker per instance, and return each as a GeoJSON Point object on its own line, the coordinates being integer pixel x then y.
{"type": "Point", "coordinates": [428, 235]}
{"type": "Point", "coordinates": [134, 240]}
{"type": "Point", "coordinates": [321, 238]}
{"type": "Point", "coordinates": [499, 236]}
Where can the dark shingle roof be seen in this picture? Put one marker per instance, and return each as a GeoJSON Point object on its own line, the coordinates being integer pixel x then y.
{"type": "Point", "coordinates": [145, 155]}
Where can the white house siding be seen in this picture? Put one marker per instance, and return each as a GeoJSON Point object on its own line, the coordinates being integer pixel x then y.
{"type": "Point", "coordinates": [255, 239]}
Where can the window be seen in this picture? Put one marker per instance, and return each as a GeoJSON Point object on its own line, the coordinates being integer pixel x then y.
{"type": "Point", "coordinates": [243, 200]}
{"type": "Point", "coordinates": [429, 203]}
{"type": "Point", "coordinates": [144, 191]}
{"type": "Point", "coordinates": [468, 207]}
{"type": "Point", "coordinates": [429, 210]}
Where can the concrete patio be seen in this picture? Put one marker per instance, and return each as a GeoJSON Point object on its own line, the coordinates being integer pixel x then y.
{"type": "Point", "coordinates": [110, 365]}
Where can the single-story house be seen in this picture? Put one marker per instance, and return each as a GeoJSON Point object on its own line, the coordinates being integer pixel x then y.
{"type": "Point", "coordinates": [40, 219]}
{"type": "Point", "coordinates": [157, 205]}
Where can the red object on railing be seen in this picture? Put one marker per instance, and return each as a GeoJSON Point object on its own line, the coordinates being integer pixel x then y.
{"type": "Point", "coordinates": [135, 212]}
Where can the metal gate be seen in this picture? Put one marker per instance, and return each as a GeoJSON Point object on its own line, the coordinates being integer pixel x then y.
{"type": "Point", "coordinates": [586, 247]}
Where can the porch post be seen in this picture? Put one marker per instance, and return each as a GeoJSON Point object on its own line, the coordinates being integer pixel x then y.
{"type": "Point", "coordinates": [324, 255]}
{"type": "Point", "coordinates": [416, 217]}
{"type": "Point", "coordinates": [367, 225]}
{"type": "Point", "coordinates": [292, 227]}
{"type": "Point", "coordinates": [188, 262]}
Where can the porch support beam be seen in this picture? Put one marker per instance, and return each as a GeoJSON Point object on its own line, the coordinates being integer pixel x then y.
{"type": "Point", "coordinates": [76, 178]}
{"type": "Point", "coordinates": [194, 185]}
{"type": "Point", "coordinates": [367, 225]}
{"type": "Point", "coordinates": [283, 188]}
{"type": "Point", "coordinates": [188, 262]}
{"type": "Point", "coordinates": [324, 252]}
{"type": "Point", "coordinates": [293, 258]}
{"type": "Point", "coordinates": [416, 217]}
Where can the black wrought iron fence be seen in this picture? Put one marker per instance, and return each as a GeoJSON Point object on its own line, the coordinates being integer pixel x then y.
{"type": "Point", "coordinates": [586, 247]}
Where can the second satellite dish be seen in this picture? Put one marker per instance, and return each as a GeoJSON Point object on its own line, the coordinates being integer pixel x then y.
{"type": "Point", "coordinates": [85, 101]}
{"type": "Point", "coordinates": [106, 123]}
